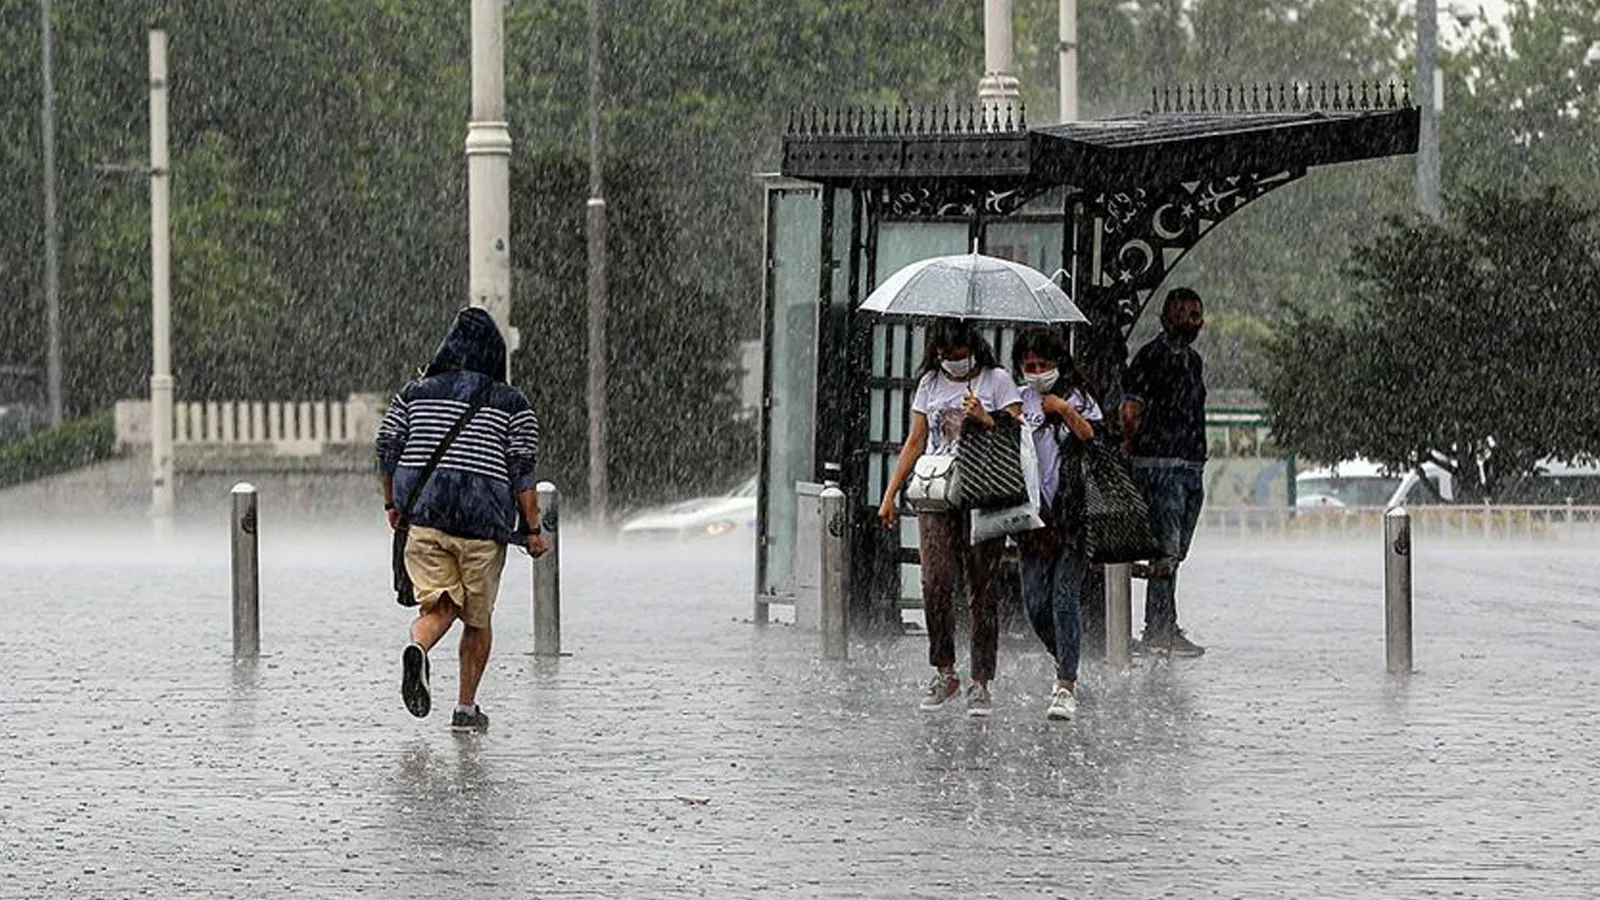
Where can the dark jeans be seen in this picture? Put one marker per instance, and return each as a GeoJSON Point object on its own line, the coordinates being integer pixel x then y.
{"type": "Point", "coordinates": [1174, 496]}
{"type": "Point", "coordinates": [1052, 570]}
{"type": "Point", "coordinates": [946, 552]}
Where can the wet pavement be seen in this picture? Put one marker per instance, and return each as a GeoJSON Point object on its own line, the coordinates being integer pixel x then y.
{"type": "Point", "coordinates": [682, 752]}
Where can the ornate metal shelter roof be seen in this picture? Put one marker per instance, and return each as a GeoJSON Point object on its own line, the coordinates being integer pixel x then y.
{"type": "Point", "coordinates": [1202, 133]}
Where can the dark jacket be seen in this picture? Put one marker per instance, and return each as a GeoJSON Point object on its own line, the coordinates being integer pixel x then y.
{"type": "Point", "coordinates": [472, 493]}
{"type": "Point", "coordinates": [1168, 379]}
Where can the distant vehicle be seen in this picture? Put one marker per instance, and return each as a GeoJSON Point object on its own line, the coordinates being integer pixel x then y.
{"type": "Point", "coordinates": [23, 407]}
{"type": "Point", "coordinates": [1352, 483]}
{"type": "Point", "coordinates": [699, 517]}
{"type": "Point", "coordinates": [1360, 482]}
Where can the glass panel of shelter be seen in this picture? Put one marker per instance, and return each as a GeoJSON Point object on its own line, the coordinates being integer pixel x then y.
{"type": "Point", "coordinates": [794, 234]}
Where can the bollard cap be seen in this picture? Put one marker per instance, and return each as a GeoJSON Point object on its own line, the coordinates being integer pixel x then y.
{"type": "Point", "coordinates": [831, 492]}
{"type": "Point", "coordinates": [1397, 512]}
{"type": "Point", "coordinates": [244, 487]}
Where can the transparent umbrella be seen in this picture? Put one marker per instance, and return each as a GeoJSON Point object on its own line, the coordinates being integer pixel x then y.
{"type": "Point", "coordinates": [973, 286]}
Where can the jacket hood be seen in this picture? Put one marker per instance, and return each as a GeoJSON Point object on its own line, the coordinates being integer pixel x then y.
{"type": "Point", "coordinates": [473, 344]}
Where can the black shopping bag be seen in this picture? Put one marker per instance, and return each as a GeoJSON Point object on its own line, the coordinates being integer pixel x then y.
{"type": "Point", "coordinates": [1115, 518]}
{"type": "Point", "coordinates": [990, 462]}
{"type": "Point", "coordinates": [404, 591]}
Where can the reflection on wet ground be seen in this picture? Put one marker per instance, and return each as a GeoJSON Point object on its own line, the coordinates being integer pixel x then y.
{"type": "Point", "coordinates": [682, 752]}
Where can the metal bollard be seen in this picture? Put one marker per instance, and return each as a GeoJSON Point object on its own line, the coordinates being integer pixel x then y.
{"type": "Point", "coordinates": [547, 576]}
{"type": "Point", "coordinates": [1397, 591]}
{"type": "Point", "coordinates": [835, 577]}
{"type": "Point", "coordinates": [1119, 615]}
{"type": "Point", "coordinates": [246, 574]}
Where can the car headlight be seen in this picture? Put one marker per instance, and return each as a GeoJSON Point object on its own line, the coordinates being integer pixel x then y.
{"type": "Point", "coordinates": [719, 527]}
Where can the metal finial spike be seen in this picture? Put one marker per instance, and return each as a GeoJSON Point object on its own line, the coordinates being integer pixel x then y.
{"type": "Point", "coordinates": [849, 120]}
{"type": "Point", "coordinates": [1022, 116]}
{"type": "Point", "coordinates": [1230, 98]}
{"type": "Point", "coordinates": [1323, 98]}
{"type": "Point", "coordinates": [1155, 100]}
{"type": "Point", "coordinates": [944, 120]}
{"type": "Point", "coordinates": [1166, 98]}
{"type": "Point", "coordinates": [1255, 97]}
{"type": "Point", "coordinates": [896, 121]}
{"type": "Point", "coordinates": [972, 126]}
{"type": "Point", "coordinates": [1011, 124]}
{"type": "Point", "coordinates": [1394, 100]}
{"type": "Point", "coordinates": [1350, 95]}
{"type": "Point", "coordinates": [1406, 96]}
{"type": "Point", "coordinates": [1216, 97]}
{"type": "Point", "coordinates": [1191, 107]}
{"type": "Point", "coordinates": [1366, 101]}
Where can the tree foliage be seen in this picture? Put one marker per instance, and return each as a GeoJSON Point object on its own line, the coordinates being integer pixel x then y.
{"type": "Point", "coordinates": [1473, 342]}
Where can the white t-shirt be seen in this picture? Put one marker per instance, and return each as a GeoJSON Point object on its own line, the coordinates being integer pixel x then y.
{"type": "Point", "coordinates": [1047, 438]}
{"type": "Point", "coordinates": [939, 397]}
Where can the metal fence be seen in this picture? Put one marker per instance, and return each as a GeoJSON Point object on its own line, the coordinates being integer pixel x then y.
{"type": "Point", "coordinates": [1537, 523]}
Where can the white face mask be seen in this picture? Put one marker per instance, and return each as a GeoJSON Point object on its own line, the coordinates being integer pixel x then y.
{"type": "Point", "coordinates": [1042, 382]}
{"type": "Point", "coordinates": [957, 368]}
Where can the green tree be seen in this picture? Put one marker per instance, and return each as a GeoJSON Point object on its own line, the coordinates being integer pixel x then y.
{"type": "Point", "coordinates": [1471, 342]}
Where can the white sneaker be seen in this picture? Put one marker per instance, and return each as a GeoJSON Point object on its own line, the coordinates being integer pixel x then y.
{"type": "Point", "coordinates": [1063, 705]}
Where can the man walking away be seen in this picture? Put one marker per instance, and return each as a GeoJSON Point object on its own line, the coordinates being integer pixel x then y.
{"type": "Point", "coordinates": [1164, 431]}
{"type": "Point", "coordinates": [466, 511]}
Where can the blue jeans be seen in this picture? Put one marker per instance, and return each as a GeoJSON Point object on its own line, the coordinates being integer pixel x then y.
{"type": "Point", "coordinates": [1052, 568]}
{"type": "Point", "coordinates": [1174, 496]}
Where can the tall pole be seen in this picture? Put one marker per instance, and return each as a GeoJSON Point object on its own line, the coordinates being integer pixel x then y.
{"type": "Point", "coordinates": [489, 173]}
{"type": "Point", "coordinates": [1428, 97]}
{"type": "Point", "coordinates": [52, 232]}
{"type": "Point", "coordinates": [599, 484]}
{"type": "Point", "coordinates": [162, 488]}
{"type": "Point", "coordinates": [998, 91]}
{"type": "Point", "coordinates": [1068, 27]}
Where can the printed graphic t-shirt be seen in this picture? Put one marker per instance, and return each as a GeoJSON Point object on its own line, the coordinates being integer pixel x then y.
{"type": "Point", "coordinates": [939, 397]}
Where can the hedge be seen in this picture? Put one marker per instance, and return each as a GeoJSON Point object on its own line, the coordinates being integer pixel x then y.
{"type": "Point", "coordinates": [73, 445]}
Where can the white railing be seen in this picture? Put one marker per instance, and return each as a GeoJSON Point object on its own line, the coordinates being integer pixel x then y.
{"type": "Point", "coordinates": [298, 426]}
{"type": "Point", "coordinates": [1463, 521]}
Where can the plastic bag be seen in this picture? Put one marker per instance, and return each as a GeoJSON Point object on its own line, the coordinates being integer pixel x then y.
{"type": "Point", "coordinates": [988, 524]}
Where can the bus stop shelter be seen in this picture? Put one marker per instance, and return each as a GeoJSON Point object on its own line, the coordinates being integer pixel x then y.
{"type": "Point", "coordinates": [1113, 204]}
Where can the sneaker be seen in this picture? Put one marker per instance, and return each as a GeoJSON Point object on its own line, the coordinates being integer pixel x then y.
{"type": "Point", "coordinates": [414, 680]}
{"type": "Point", "coordinates": [1178, 644]}
{"type": "Point", "coordinates": [1063, 705]}
{"type": "Point", "coordinates": [464, 722]}
{"type": "Point", "coordinates": [940, 688]}
{"type": "Point", "coordinates": [978, 701]}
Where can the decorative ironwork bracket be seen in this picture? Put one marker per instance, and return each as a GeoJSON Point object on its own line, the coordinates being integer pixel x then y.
{"type": "Point", "coordinates": [943, 199]}
{"type": "Point", "coordinates": [1144, 232]}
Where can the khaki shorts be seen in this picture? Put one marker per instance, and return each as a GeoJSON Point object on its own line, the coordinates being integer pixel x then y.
{"type": "Point", "coordinates": [466, 569]}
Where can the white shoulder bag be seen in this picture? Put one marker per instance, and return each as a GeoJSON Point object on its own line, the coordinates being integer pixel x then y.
{"type": "Point", "coordinates": [935, 484]}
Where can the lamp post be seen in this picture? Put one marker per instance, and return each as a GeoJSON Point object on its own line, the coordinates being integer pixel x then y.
{"type": "Point", "coordinates": [1068, 28]}
{"type": "Point", "coordinates": [488, 150]}
{"type": "Point", "coordinates": [52, 232]}
{"type": "Point", "coordinates": [162, 488]}
{"type": "Point", "coordinates": [998, 90]}
{"type": "Point", "coordinates": [595, 211]}
{"type": "Point", "coordinates": [1428, 90]}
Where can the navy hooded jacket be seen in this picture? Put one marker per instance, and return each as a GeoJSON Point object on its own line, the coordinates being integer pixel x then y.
{"type": "Point", "coordinates": [472, 494]}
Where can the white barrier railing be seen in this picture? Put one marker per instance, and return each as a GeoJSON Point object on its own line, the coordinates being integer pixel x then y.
{"type": "Point", "coordinates": [299, 425]}
{"type": "Point", "coordinates": [1460, 521]}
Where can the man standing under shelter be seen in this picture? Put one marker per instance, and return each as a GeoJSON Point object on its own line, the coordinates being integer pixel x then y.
{"type": "Point", "coordinates": [1164, 433]}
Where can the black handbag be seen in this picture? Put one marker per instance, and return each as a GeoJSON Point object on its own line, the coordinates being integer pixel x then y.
{"type": "Point", "coordinates": [405, 592]}
{"type": "Point", "coordinates": [990, 463]}
{"type": "Point", "coordinates": [1112, 513]}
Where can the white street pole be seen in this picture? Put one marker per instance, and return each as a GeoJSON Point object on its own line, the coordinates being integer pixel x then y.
{"type": "Point", "coordinates": [595, 210]}
{"type": "Point", "coordinates": [161, 478]}
{"type": "Point", "coordinates": [998, 90]}
{"type": "Point", "coordinates": [52, 232]}
{"type": "Point", "coordinates": [489, 172]}
{"type": "Point", "coordinates": [1069, 60]}
{"type": "Point", "coordinates": [1427, 97]}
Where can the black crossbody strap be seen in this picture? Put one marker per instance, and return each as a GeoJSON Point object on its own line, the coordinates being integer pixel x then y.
{"type": "Point", "coordinates": [478, 400]}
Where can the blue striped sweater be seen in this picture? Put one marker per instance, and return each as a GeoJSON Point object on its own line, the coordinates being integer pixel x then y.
{"type": "Point", "coordinates": [472, 493]}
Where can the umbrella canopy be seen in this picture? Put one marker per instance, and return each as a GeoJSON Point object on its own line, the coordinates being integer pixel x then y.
{"type": "Point", "coordinates": [973, 286]}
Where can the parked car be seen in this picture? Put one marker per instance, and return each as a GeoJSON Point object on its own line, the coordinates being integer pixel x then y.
{"type": "Point", "coordinates": [1358, 482]}
{"type": "Point", "coordinates": [699, 517]}
{"type": "Point", "coordinates": [23, 407]}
